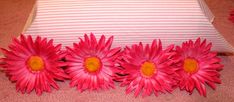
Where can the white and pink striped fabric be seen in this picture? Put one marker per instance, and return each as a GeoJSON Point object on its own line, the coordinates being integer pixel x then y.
{"type": "Point", "coordinates": [206, 10]}
{"type": "Point", "coordinates": [130, 21]}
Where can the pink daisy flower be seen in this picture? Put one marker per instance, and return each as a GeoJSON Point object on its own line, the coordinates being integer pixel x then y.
{"type": "Point", "coordinates": [148, 69]}
{"type": "Point", "coordinates": [197, 66]}
{"type": "Point", "coordinates": [91, 63]}
{"type": "Point", "coordinates": [33, 64]}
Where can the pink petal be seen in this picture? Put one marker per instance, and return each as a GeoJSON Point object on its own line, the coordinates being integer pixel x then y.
{"type": "Point", "coordinates": [113, 51]}
{"type": "Point", "coordinates": [87, 39]}
{"type": "Point", "coordinates": [93, 40]}
{"type": "Point", "coordinates": [109, 42]}
{"type": "Point", "coordinates": [31, 83]}
{"type": "Point", "coordinates": [101, 43]}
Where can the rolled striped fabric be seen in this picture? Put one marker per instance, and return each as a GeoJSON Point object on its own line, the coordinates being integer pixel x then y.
{"type": "Point", "coordinates": [206, 10]}
{"type": "Point", "coordinates": [130, 21]}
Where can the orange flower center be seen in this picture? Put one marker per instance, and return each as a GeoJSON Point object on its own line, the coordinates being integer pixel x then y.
{"type": "Point", "coordinates": [190, 65]}
{"type": "Point", "coordinates": [148, 69]}
{"type": "Point", "coordinates": [92, 64]}
{"type": "Point", "coordinates": [35, 63]}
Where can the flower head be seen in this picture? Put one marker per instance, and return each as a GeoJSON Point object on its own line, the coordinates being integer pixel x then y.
{"type": "Point", "coordinates": [33, 64]}
{"type": "Point", "coordinates": [148, 69]}
{"type": "Point", "coordinates": [91, 63]}
{"type": "Point", "coordinates": [197, 66]}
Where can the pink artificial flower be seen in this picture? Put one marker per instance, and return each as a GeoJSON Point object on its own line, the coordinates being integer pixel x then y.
{"type": "Point", "coordinates": [148, 69]}
{"type": "Point", "coordinates": [197, 66]}
{"type": "Point", "coordinates": [91, 63]}
{"type": "Point", "coordinates": [231, 17]}
{"type": "Point", "coordinates": [33, 64]}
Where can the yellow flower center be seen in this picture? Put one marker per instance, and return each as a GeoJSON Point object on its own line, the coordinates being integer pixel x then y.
{"type": "Point", "coordinates": [35, 63]}
{"type": "Point", "coordinates": [190, 65]}
{"type": "Point", "coordinates": [92, 64]}
{"type": "Point", "coordinates": [148, 69]}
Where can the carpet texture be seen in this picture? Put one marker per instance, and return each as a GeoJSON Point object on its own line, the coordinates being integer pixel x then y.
{"type": "Point", "coordinates": [223, 93]}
